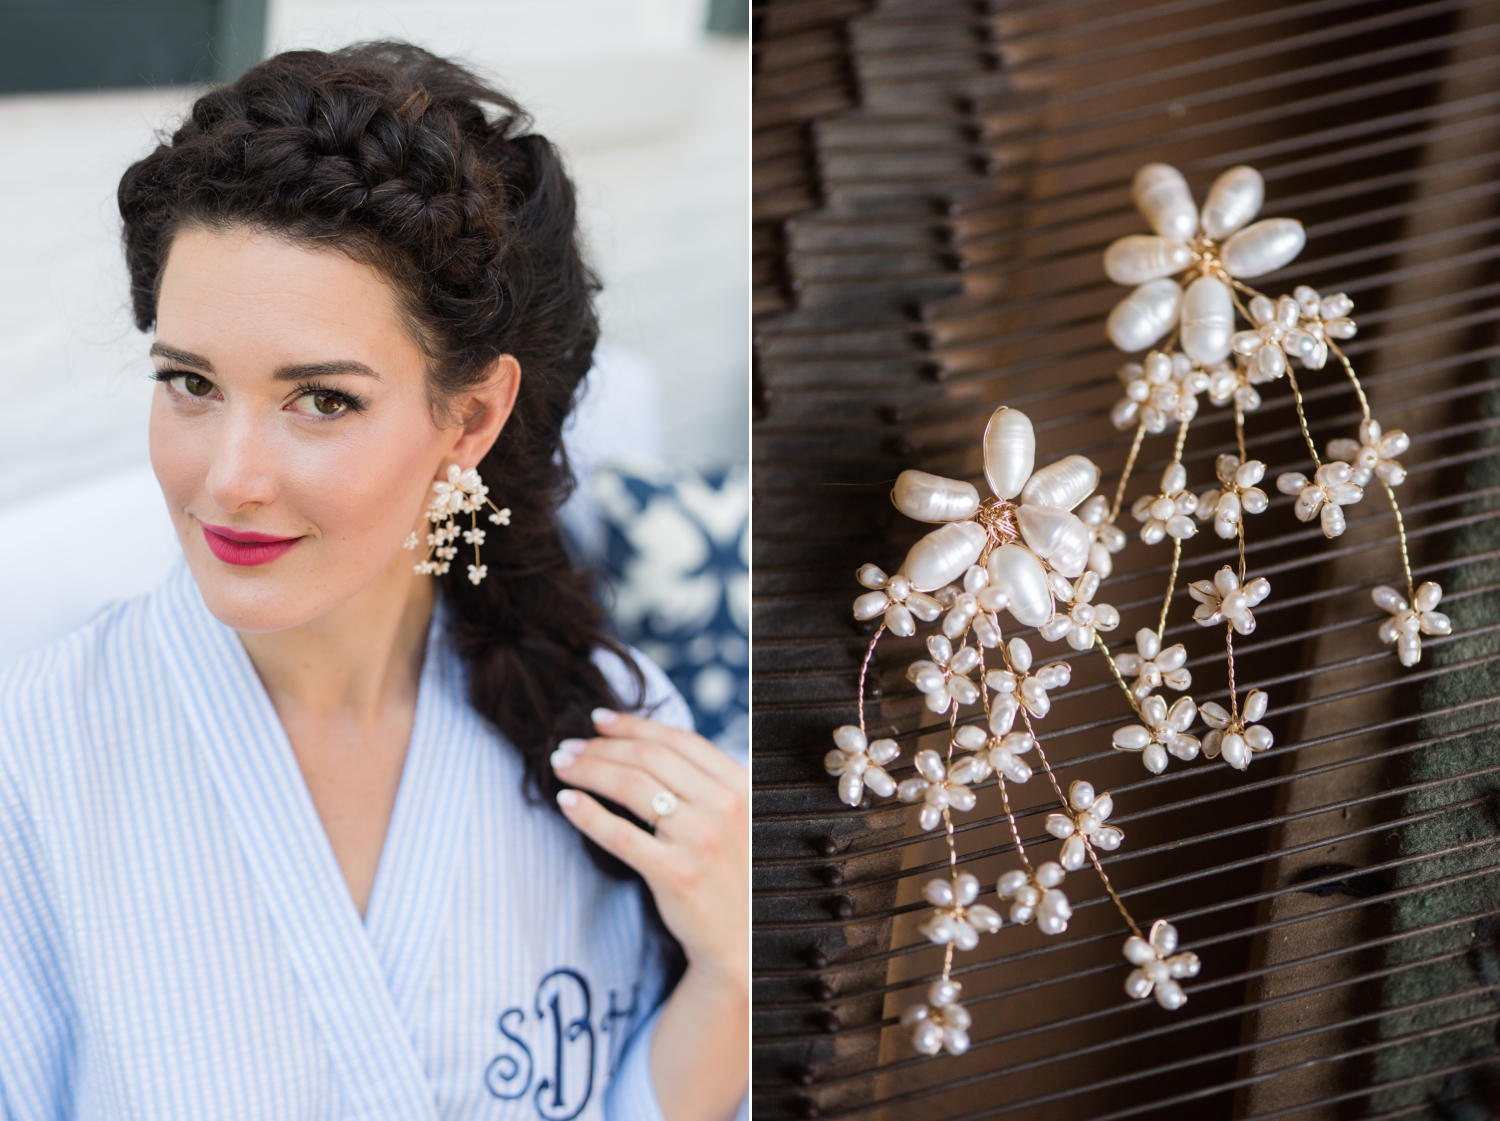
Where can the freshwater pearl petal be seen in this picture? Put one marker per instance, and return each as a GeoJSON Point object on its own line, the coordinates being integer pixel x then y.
{"type": "Point", "coordinates": [899, 622]}
{"type": "Point", "coordinates": [1145, 315]}
{"type": "Point", "coordinates": [1255, 706]}
{"type": "Point", "coordinates": [1429, 595]}
{"type": "Point", "coordinates": [1207, 321]}
{"type": "Point", "coordinates": [1020, 576]}
{"type": "Point", "coordinates": [1141, 257]}
{"type": "Point", "coordinates": [1063, 484]}
{"type": "Point", "coordinates": [1235, 750]}
{"type": "Point", "coordinates": [870, 605]}
{"type": "Point", "coordinates": [1263, 247]}
{"type": "Point", "coordinates": [1057, 536]}
{"type": "Point", "coordinates": [1233, 200]}
{"type": "Point", "coordinates": [942, 556]}
{"type": "Point", "coordinates": [1162, 195]}
{"type": "Point", "coordinates": [1009, 451]}
{"type": "Point", "coordinates": [932, 498]}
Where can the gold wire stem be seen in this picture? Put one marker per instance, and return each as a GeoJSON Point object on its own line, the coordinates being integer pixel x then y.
{"type": "Point", "coordinates": [1166, 602]}
{"type": "Point", "coordinates": [1119, 677]}
{"type": "Point", "coordinates": [1109, 887]}
{"type": "Point", "coordinates": [1302, 416]}
{"type": "Point", "coordinates": [1239, 430]}
{"type": "Point", "coordinates": [1364, 405]}
{"type": "Point", "coordinates": [1411, 590]}
{"type": "Point", "coordinates": [1015, 830]}
{"type": "Point", "coordinates": [1359, 390]}
{"type": "Point", "coordinates": [1135, 450]}
{"type": "Point", "coordinates": [1182, 431]}
{"type": "Point", "coordinates": [864, 668]}
{"type": "Point", "coordinates": [1046, 766]}
{"type": "Point", "coordinates": [1234, 706]}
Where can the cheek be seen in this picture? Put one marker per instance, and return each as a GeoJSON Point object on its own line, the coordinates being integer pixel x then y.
{"type": "Point", "coordinates": [360, 489]}
{"type": "Point", "coordinates": [180, 454]}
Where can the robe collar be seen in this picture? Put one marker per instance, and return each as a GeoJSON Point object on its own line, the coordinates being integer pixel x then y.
{"type": "Point", "coordinates": [362, 978]}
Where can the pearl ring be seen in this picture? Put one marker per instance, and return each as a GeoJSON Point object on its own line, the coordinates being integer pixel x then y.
{"type": "Point", "coordinates": [663, 804]}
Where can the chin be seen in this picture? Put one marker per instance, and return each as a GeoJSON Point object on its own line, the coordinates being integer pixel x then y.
{"type": "Point", "coordinates": [284, 593]}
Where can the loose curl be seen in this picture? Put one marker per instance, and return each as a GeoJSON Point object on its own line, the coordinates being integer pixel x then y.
{"type": "Point", "coordinates": [384, 152]}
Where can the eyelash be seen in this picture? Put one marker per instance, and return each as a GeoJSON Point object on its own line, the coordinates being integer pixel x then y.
{"type": "Point", "coordinates": [304, 388]}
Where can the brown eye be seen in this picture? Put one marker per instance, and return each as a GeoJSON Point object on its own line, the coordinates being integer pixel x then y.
{"type": "Point", "coordinates": [196, 385]}
{"type": "Point", "coordinates": [326, 403]}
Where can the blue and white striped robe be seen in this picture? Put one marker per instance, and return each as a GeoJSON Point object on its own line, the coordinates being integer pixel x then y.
{"type": "Point", "coordinates": [177, 940]}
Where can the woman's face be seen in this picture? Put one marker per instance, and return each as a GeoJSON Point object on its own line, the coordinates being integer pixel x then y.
{"type": "Point", "coordinates": [291, 430]}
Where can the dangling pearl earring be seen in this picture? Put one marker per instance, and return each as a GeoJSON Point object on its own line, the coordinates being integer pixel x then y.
{"type": "Point", "coordinates": [463, 493]}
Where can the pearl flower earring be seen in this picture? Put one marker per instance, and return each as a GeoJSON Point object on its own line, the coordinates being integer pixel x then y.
{"type": "Point", "coordinates": [463, 493]}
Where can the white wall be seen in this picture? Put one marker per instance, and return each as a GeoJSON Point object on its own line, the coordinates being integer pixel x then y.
{"type": "Point", "coordinates": [652, 115]}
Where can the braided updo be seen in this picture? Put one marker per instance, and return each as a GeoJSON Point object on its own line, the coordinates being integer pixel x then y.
{"type": "Point", "coordinates": [386, 153]}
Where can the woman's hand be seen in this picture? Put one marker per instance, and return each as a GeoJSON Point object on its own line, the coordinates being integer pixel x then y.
{"type": "Point", "coordinates": [697, 865]}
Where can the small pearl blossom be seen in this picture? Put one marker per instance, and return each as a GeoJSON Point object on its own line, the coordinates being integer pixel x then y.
{"type": "Point", "coordinates": [474, 536]}
{"type": "Point", "coordinates": [1083, 617]}
{"type": "Point", "coordinates": [1237, 494]}
{"type": "Point", "coordinates": [477, 572]}
{"type": "Point", "coordinates": [463, 493]}
{"type": "Point", "coordinates": [1005, 754]}
{"type": "Point", "coordinates": [1409, 622]}
{"type": "Point", "coordinates": [940, 1024]}
{"type": "Point", "coordinates": [1164, 731]}
{"type": "Point", "coordinates": [1016, 686]}
{"type": "Point", "coordinates": [411, 542]}
{"type": "Point", "coordinates": [940, 787]}
{"type": "Point", "coordinates": [973, 606]}
{"type": "Point", "coordinates": [1322, 318]}
{"type": "Point", "coordinates": [1235, 382]}
{"type": "Point", "coordinates": [1105, 538]}
{"type": "Point", "coordinates": [894, 597]}
{"type": "Point", "coordinates": [945, 679]}
{"type": "Point", "coordinates": [1236, 739]}
{"type": "Point", "coordinates": [860, 762]}
{"type": "Point", "coordinates": [1037, 896]}
{"type": "Point", "coordinates": [1158, 966]}
{"type": "Point", "coordinates": [501, 516]}
{"type": "Point", "coordinates": [1373, 454]}
{"type": "Point", "coordinates": [1263, 347]}
{"type": "Point", "coordinates": [1167, 513]}
{"type": "Point", "coordinates": [1331, 489]}
{"type": "Point", "coordinates": [956, 918]}
{"type": "Point", "coordinates": [1222, 598]}
{"type": "Point", "coordinates": [1159, 391]}
{"type": "Point", "coordinates": [1153, 667]}
{"type": "Point", "coordinates": [1083, 825]}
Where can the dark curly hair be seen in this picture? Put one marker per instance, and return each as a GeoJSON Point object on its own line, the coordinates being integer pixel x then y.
{"type": "Point", "coordinates": [386, 153]}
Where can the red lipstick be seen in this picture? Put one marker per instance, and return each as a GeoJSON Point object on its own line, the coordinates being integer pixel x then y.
{"type": "Point", "coordinates": [244, 547]}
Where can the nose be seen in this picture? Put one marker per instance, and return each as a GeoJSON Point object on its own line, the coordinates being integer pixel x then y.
{"type": "Point", "coordinates": [242, 471]}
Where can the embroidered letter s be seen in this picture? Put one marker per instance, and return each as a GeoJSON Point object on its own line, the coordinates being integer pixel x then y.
{"type": "Point", "coordinates": [509, 1073]}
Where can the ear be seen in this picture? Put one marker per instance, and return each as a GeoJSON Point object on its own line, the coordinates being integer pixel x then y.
{"type": "Point", "coordinates": [483, 411]}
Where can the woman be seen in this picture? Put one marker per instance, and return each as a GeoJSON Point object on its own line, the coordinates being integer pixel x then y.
{"type": "Point", "coordinates": [315, 830]}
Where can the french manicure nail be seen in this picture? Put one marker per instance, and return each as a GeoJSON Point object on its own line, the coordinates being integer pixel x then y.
{"type": "Point", "coordinates": [604, 715]}
{"type": "Point", "coordinates": [567, 798]}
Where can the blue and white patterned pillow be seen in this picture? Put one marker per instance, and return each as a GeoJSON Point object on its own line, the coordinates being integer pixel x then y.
{"type": "Point", "coordinates": [677, 559]}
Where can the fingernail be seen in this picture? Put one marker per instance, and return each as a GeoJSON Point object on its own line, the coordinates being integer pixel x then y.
{"type": "Point", "coordinates": [567, 798]}
{"type": "Point", "coordinates": [561, 758]}
{"type": "Point", "coordinates": [604, 715]}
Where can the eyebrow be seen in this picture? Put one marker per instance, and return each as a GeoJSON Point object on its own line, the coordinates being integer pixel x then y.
{"type": "Point", "coordinates": [282, 373]}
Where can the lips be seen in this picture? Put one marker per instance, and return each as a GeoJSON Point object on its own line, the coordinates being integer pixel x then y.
{"type": "Point", "coordinates": [244, 547]}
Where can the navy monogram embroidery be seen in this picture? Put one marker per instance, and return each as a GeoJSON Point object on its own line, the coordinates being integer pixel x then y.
{"type": "Point", "coordinates": [509, 1073]}
{"type": "Point", "coordinates": [562, 1095]}
{"type": "Point", "coordinates": [553, 1056]}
